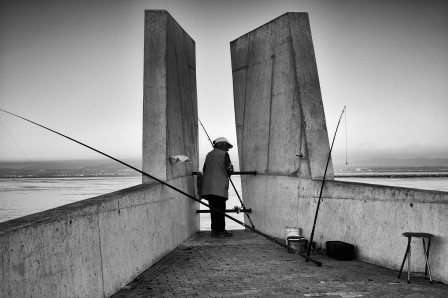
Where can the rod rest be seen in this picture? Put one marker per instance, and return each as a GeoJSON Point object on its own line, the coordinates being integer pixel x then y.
{"type": "Point", "coordinates": [234, 173]}
{"type": "Point", "coordinates": [249, 210]}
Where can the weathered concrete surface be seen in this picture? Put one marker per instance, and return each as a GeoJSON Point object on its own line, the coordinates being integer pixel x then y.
{"type": "Point", "coordinates": [373, 218]}
{"type": "Point", "coordinates": [170, 110]}
{"type": "Point", "coordinates": [279, 114]}
{"type": "Point", "coordinates": [42, 256]}
{"type": "Point", "coordinates": [273, 202]}
{"type": "Point", "coordinates": [94, 247]}
{"type": "Point", "coordinates": [151, 225]}
{"type": "Point", "coordinates": [278, 105]}
{"type": "Point", "coordinates": [248, 265]}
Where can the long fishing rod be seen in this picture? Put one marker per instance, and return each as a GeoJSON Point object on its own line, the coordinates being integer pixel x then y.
{"type": "Point", "coordinates": [230, 179]}
{"type": "Point", "coordinates": [322, 186]}
{"type": "Point", "coordinates": [200, 122]}
{"type": "Point", "coordinates": [176, 189]}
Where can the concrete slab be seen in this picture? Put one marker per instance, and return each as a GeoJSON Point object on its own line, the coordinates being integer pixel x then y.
{"type": "Point", "coordinates": [248, 265]}
{"type": "Point", "coordinates": [278, 105]}
{"type": "Point", "coordinates": [169, 98]}
{"type": "Point", "coordinates": [155, 87]}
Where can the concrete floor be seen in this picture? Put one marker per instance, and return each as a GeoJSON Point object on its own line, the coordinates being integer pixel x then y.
{"type": "Point", "coordinates": [248, 265]}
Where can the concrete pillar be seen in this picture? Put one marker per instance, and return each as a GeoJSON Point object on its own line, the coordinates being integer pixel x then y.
{"type": "Point", "coordinates": [169, 98]}
{"type": "Point", "coordinates": [279, 116]}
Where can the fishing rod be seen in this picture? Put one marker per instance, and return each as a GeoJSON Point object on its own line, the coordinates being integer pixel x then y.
{"type": "Point", "coordinates": [200, 122]}
{"type": "Point", "coordinates": [322, 186]}
{"type": "Point", "coordinates": [176, 189]}
{"type": "Point", "coordinates": [230, 179]}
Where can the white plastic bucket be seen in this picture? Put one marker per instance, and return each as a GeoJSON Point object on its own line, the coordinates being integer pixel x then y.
{"type": "Point", "coordinates": [291, 232]}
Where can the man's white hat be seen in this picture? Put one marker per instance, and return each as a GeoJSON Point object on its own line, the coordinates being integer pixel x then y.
{"type": "Point", "coordinates": [222, 139]}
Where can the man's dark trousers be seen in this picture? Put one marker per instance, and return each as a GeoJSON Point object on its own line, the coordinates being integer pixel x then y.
{"type": "Point", "coordinates": [218, 220]}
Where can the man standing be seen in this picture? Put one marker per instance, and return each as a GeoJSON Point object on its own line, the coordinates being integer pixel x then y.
{"type": "Point", "coordinates": [215, 184]}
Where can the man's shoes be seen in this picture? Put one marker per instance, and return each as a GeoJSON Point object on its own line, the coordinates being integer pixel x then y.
{"type": "Point", "coordinates": [214, 234]}
{"type": "Point", "coordinates": [225, 234]}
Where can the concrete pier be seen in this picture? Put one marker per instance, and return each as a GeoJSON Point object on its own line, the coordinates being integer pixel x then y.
{"type": "Point", "coordinates": [95, 247]}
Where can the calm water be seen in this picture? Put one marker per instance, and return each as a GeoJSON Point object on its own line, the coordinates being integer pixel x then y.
{"type": "Point", "coordinates": [20, 197]}
{"type": "Point", "coordinates": [428, 183]}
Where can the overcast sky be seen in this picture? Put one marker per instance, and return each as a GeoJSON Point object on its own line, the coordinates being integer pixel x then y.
{"type": "Point", "coordinates": [77, 67]}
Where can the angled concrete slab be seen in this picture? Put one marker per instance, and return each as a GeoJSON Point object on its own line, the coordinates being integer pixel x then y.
{"type": "Point", "coordinates": [169, 98]}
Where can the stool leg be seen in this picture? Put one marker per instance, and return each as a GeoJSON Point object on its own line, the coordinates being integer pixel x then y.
{"type": "Point", "coordinates": [405, 255]}
{"type": "Point", "coordinates": [426, 253]}
{"type": "Point", "coordinates": [409, 262]}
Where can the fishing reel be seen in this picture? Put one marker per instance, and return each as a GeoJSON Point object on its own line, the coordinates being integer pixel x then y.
{"type": "Point", "coordinates": [237, 209]}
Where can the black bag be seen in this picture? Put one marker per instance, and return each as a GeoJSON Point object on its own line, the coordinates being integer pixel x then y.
{"type": "Point", "coordinates": [340, 250]}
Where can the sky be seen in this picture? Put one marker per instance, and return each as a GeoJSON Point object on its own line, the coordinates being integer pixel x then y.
{"type": "Point", "coordinates": [77, 67]}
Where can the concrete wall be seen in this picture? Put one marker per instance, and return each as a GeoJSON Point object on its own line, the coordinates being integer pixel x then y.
{"type": "Point", "coordinates": [94, 247]}
{"type": "Point", "coordinates": [278, 105]}
{"type": "Point", "coordinates": [170, 112]}
{"type": "Point", "coordinates": [279, 115]}
{"type": "Point", "coordinates": [373, 218]}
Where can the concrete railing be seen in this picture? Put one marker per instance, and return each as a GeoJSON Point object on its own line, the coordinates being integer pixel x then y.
{"type": "Point", "coordinates": [373, 218]}
{"type": "Point", "coordinates": [94, 247]}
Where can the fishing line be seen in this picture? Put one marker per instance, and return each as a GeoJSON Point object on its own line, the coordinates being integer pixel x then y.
{"type": "Point", "coordinates": [346, 137]}
{"type": "Point", "coordinates": [307, 258]}
{"type": "Point", "coordinates": [200, 122]}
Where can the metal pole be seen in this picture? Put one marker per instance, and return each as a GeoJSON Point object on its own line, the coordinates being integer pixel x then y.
{"type": "Point", "coordinates": [176, 189]}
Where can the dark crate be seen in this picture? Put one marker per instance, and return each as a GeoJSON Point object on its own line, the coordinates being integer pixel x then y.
{"type": "Point", "coordinates": [340, 250]}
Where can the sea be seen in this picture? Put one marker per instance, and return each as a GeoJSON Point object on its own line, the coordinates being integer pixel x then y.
{"type": "Point", "coordinates": [24, 196]}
